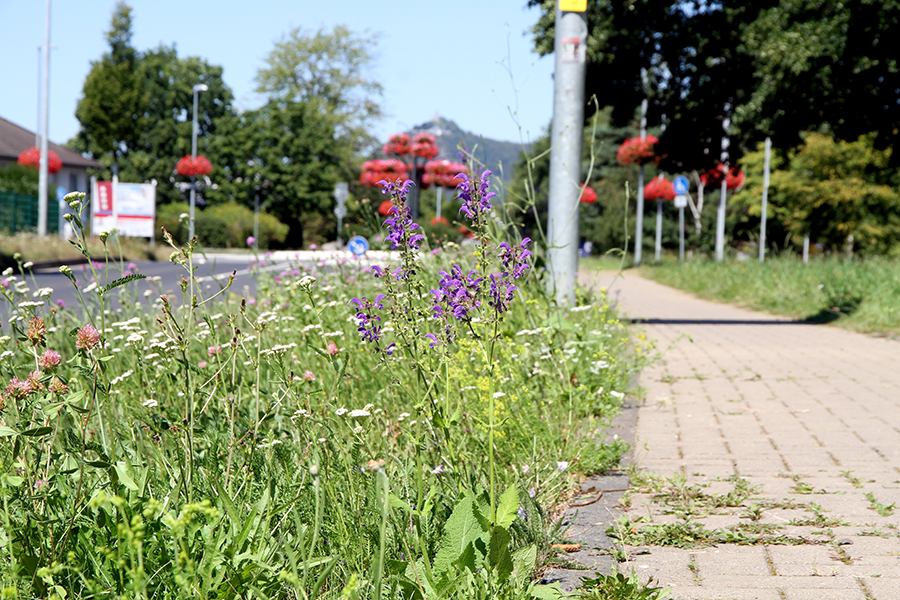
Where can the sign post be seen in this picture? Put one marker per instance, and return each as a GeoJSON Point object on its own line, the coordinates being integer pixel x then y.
{"type": "Point", "coordinates": [341, 192]}
{"type": "Point", "coordinates": [681, 186]}
{"type": "Point", "coordinates": [566, 136]}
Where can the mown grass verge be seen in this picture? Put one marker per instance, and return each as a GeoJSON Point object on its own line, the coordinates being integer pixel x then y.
{"type": "Point", "coordinates": [860, 295]}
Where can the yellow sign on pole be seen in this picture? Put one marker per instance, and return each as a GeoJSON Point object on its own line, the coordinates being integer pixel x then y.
{"type": "Point", "coordinates": [573, 5]}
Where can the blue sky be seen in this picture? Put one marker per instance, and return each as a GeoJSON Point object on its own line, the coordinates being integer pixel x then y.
{"type": "Point", "coordinates": [454, 58]}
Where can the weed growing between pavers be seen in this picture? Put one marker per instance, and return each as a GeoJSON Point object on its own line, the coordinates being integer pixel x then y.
{"type": "Point", "coordinates": [301, 444]}
{"type": "Point", "coordinates": [617, 586]}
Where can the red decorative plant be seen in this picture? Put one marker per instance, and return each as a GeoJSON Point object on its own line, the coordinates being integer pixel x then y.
{"type": "Point", "coordinates": [734, 179]}
{"type": "Point", "coordinates": [397, 144]}
{"type": "Point", "coordinates": [435, 221]}
{"type": "Point", "coordinates": [32, 158]}
{"type": "Point", "coordinates": [384, 209]}
{"type": "Point", "coordinates": [425, 146]}
{"type": "Point", "coordinates": [443, 173]}
{"type": "Point", "coordinates": [588, 195]}
{"type": "Point", "coordinates": [659, 187]}
{"type": "Point", "coordinates": [374, 171]}
{"type": "Point", "coordinates": [636, 150]}
{"type": "Point", "coordinates": [193, 166]}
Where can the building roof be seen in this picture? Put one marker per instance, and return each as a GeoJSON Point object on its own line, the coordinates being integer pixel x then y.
{"type": "Point", "coordinates": [15, 139]}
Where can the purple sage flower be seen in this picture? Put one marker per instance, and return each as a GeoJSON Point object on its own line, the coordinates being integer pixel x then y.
{"type": "Point", "coordinates": [369, 323]}
{"type": "Point", "coordinates": [401, 228]}
{"type": "Point", "coordinates": [457, 293]}
{"type": "Point", "coordinates": [475, 195]}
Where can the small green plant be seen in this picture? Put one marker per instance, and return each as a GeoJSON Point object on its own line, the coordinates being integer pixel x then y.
{"type": "Point", "coordinates": [854, 481]}
{"type": "Point", "coordinates": [885, 510]}
{"type": "Point", "coordinates": [616, 586]}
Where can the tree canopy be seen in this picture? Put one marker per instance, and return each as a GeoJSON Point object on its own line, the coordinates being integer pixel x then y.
{"type": "Point", "coordinates": [777, 67]}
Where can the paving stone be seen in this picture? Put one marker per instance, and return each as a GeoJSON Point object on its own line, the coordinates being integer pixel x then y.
{"type": "Point", "coordinates": [773, 402]}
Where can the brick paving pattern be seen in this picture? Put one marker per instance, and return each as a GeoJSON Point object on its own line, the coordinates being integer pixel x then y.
{"type": "Point", "coordinates": [805, 416]}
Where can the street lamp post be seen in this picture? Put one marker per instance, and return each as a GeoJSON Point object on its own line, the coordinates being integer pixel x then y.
{"type": "Point", "coordinates": [200, 87]}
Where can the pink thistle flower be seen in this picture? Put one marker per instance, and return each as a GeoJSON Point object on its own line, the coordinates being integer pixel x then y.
{"type": "Point", "coordinates": [87, 337]}
{"type": "Point", "coordinates": [332, 349]}
{"type": "Point", "coordinates": [213, 350]}
{"type": "Point", "coordinates": [309, 375]}
{"type": "Point", "coordinates": [49, 360]}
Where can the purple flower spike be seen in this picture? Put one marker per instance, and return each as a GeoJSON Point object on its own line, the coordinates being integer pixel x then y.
{"type": "Point", "coordinates": [475, 195]}
{"type": "Point", "coordinates": [434, 341]}
{"type": "Point", "coordinates": [369, 323]}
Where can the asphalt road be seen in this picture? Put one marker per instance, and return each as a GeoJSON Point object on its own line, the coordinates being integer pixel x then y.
{"type": "Point", "coordinates": [212, 275]}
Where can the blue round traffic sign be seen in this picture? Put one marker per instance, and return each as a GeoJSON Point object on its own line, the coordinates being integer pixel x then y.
{"type": "Point", "coordinates": [681, 185]}
{"type": "Point", "coordinates": [358, 245]}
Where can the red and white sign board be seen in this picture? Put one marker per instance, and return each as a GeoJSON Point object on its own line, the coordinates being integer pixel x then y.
{"type": "Point", "coordinates": [128, 207]}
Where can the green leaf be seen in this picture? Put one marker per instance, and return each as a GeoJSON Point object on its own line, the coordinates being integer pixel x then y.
{"type": "Point", "coordinates": [499, 556]}
{"type": "Point", "coordinates": [122, 470]}
{"type": "Point", "coordinates": [508, 507]}
{"type": "Point", "coordinates": [14, 480]}
{"type": "Point", "coordinates": [7, 431]}
{"type": "Point", "coordinates": [122, 281]}
{"type": "Point", "coordinates": [397, 502]}
{"type": "Point", "coordinates": [546, 592]}
{"type": "Point", "coordinates": [37, 431]}
{"type": "Point", "coordinates": [463, 527]}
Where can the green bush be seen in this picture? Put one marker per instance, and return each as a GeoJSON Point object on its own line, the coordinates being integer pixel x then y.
{"type": "Point", "coordinates": [21, 180]}
{"type": "Point", "coordinates": [222, 226]}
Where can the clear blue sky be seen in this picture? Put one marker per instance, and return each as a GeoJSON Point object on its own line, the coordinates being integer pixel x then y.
{"type": "Point", "coordinates": [451, 57]}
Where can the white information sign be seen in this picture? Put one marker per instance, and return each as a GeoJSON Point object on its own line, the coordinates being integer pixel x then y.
{"type": "Point", "coordinates": [680, 201]}
{"type": "Point", "coordinates": [130, 208]}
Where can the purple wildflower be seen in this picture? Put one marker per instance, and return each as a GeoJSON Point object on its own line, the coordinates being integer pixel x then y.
{"type": "Point", "coordinates": [501, 293]}
{"type": "Point", "coordinates": [400, 226]}
{"type": "Point", "coordinates": [457, 293]}
{"type": "Point", "coordinates": [433, 340]}
{"type": "Point", "coordinates": [475, 195]}
{"type": "Point", "coordinates": [369, 323]}
{"type": "Point", "coordinates": [378, 271]}
{"type": "Point", "coordinates": [513, 259]}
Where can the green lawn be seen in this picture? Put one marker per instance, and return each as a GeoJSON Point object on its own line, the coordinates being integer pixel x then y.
{"type": "Point", "coordinates": [860, 295]}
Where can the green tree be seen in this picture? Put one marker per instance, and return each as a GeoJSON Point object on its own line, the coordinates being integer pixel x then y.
{"type": "Point", "coordinates": [109, 105]}
{"type": "Point", "coordinates": [779, 67]}
{"type": "Point", "coordinates": [840, 193]}
{"type": "Point", "coordinates": [285, 153]}
{"type": "Point", "coordinates": [136, 110]}
{"type": "Point", "coordinates": [328, 69]}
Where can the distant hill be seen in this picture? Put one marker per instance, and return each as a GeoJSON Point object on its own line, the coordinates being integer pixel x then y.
{"type": "Point", "coordinates": [491, 152]}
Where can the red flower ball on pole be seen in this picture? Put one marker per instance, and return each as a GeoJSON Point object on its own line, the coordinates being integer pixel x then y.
{"type": "Point", "coordinates": [397, 144]}
{"type": "Point", "coordinates": [192, 166]}
{"type": "Point", "coordinates": [734, 179]}
{"type": "Point", "coordinates": [384, 209]}
{"type": "Point", "coordinates": [588, 195]}
{"type": "Point", "coordinates": [659, 187]}
{"type": "Point", "coordinates": [637, 151]}
{"type": "Point", "coordinates": [32, 158]}
{"type": "Point", "coordinates": [443, 173]}
{"type": "Point", "coordinates": [425, 146]}
{"type": "Point", "coordinates": [389, 169]}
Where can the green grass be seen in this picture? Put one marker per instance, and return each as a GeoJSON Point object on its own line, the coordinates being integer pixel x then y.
{"type": "Point", "coordinates": [257, 447]}
{"type": "Point", "coordinates": [860, 295]}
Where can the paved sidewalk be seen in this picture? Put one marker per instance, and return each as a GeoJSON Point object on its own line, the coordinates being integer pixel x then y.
{"type": "Point", "coordinates": [783, 436]}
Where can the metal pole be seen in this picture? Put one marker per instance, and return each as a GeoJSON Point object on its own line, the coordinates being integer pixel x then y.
{"type": "Point", "coordinates": [37, 129]}
{"type": "Point", "coordinates": [805, 248]}
{"type": "Point", "coordinates": [658, 248]}
{"type": "Point", "coordinates": [566, 136]}
{"type": "Point", "coordinates": [200, 87]}
{"type": "Point", "coordinates": [256, 221]}
{"type": "Point", "coordinates": [639, 222]}
{"type": "Point", "coordinates": [720, 219]}
{"type": "Point", "coordinates": [440, 189]}
{"type": "Point", "coordinates": [45, 148]}
{"type": "Point", "coordinates": [681, 234]}
{"type": "Point", "coordinates": [765, 200]}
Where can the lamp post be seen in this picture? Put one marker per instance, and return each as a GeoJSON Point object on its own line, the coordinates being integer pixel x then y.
{"type": "Point", "coordinates": [200, 87]}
